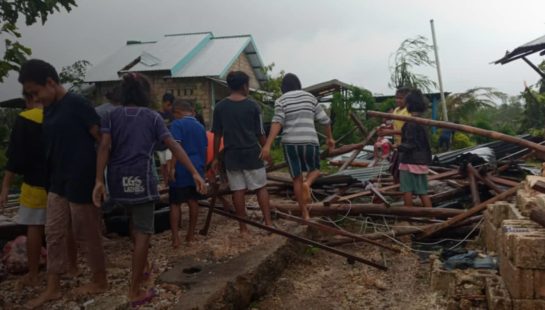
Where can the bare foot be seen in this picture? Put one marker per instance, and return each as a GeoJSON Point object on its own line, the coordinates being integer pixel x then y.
{"type": "Point", "coordinates": [142, 298]}
{"type": "Point", "coordinates": [42, 299]}
{"type": "Point", "coordinates": [90, 288]}
{"type": "Point", "coordinates": [176, 242]}
{"type": "Point", "coordinates": [27, 281]}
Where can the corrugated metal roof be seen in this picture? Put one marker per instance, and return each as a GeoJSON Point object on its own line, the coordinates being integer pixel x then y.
{"type": "Point", "coordinates": [182, 55]}
{"type": "Point", "coordinates": [524, 50]}
{"type": "Point", "coordinates": [216, 57]}
{"type": "Point", "coordinates": [108, 69]}
{"type": "Point", "coordinates": [171, 52]}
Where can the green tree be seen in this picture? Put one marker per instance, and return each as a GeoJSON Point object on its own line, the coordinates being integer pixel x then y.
{"type": "Point", "coordinates": [411, 53]}
{"type": "Point", "coordinates": [32, 10]}
{"type": "Point", "coordinates": [534, 110]}
{"type": "Point", "coordinates": [75, 73]}
{"type": "Point", "coordinates": [462, 107]}
{"type": "Point", "coordinates": [358, 101]}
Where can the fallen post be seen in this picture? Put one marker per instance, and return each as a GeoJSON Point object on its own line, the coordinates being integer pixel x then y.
{"type": "Point", "coordinates": [434, 228]}
{"type": "Point", "coordinates": [333, 230]}
{"type": "Point", "coordinates": [349, 257]}
{"type": "Point", "coordinates": [377, 209]}
{"type": "Point", "coordinates": [475, 196]}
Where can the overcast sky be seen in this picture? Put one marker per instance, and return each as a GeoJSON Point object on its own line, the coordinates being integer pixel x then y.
{"type": "Point", "coordinates": [319, 40]}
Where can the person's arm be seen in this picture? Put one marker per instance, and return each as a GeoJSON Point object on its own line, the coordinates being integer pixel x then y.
{"type": "Point", "coordinates": [324, 120]}
{"type": "Point", "coordinates": [94, 130]}
{"type": "Point", "coordinates": [180, 155]}
{"type": "Point", "coordinates": [8, 177]}
{"type": "Point", "coordinates": [329, 135]}
{"type": "Point", "coordinates": [103, 155]}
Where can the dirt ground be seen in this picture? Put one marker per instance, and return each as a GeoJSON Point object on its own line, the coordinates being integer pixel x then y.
{"type": "Point", "coordinates": [325, 281]}
{"type": "Point", "coordinates": [316, 280]}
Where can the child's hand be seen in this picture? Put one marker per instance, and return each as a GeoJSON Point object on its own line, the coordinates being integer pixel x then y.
{"type": "Point", "coordinates": [99, 194]}
{"type": "Point", "coordinates": [266, 154]}
{"type": "Point", "coordinates": [200, 184]}
{"type": "Point", "coordinates": [330, 145]}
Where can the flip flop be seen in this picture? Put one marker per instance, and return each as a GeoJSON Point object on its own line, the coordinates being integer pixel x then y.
{"type": "Point", "coordinates": [150, 294]}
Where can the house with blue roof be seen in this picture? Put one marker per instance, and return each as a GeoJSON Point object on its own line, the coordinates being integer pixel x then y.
{"type": "Point", "coordinates": [191, 66]}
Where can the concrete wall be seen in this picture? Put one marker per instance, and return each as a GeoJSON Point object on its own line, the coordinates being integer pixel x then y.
{"type": "Point", "coordinates": [243, 64]}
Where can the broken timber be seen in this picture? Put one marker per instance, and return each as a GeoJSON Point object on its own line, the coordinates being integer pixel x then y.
{"type": "Point", "coordinates": [540, 149]}
{"type": "Point", "coordinates": [434, 228]}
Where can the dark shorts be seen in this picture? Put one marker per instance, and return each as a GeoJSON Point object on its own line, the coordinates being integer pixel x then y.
{"type": "Point", "coordinates": [177, 195]}
{"type": "Point", "coordinates": [413, 183]}
{"type": "Point", "coordinates": [302, 157]}
{"type": "Point", "coordinates": [142, 217]}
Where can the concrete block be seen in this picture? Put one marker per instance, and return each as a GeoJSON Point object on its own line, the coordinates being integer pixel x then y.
{"type": "Point", "coordinates": [528, 249]}
{"type": "Point", "coordinates": [500, 212]}
{"type": "Point", "coordinates": [443, 281]}
{"type": "Point", "coordinates": [519, 282]}
{"type": "Point", "coordinates": [490, 235]}
{"type": "Point", "coordinates": [497, 296]}
{"type": "Point", "coordinates": [525, 201]}
{"type": "Point", "coordinates": [526, 304]}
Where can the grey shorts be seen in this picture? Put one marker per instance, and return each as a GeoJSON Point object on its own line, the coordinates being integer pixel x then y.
{"type": "Point", "coordinates": [31, 216]}
{"type": "Point", "coordinates": [142, 217]}
{"type": "Point", "coordinates": [247, 179]}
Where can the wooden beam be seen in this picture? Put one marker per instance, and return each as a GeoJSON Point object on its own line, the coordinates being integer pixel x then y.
{"type": "Point", "coordinates": [540, 149]}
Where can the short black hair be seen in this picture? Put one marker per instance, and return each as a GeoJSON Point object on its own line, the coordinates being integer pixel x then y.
{"type": "Point", "coordinates": [37, 71]}
{"type": "Point", "coordinates": [416, 101]}
{"type": "Point", "coordinates": [290, 82]}
{"type": "Point", "coordinates": [135, 90]}
{"type": "Point", "coordinates": [168, 97]}
{"type": "Point", "coordinates": [114, 95]}
{"type": "Point", "coordinates": [182, 105]}
{"type": "Point", "coordinates": [403, 91]}
{"type": "Point", "coordinates": [236, 80]}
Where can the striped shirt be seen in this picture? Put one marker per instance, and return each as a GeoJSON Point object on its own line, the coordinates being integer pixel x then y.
{"type": "Point", "coordinates": [296, 111]}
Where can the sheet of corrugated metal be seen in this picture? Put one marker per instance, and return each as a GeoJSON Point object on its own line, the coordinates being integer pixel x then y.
{"type": "Point", "coordinates": [214, 58]}
{"type": "Point", "coordinates": [172, 51]}
{"type": "Point", "coordinates": [108, 69]}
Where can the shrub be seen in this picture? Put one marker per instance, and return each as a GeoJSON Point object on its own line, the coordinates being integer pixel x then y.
{"type": "Point", "coordinates": [461, 141]}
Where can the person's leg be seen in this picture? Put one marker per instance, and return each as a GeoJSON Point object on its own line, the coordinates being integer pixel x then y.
{"type": "Point", "coordinates": [298, 190]}
{"type": "Point", "coordinates": [408, 199]}
{"type": "Point", "coordinates": [240, 208]}
{"type": "Point", "coordinates": [86, 229]}
{"type": "Point", "coordinates": [426, 201]}
{"type": "Point", "coordinates": [142, 219]}
{"type": "Point", "coordinates": [139, 262]}
{"type": "Point", "coordinates": [72, 252]}
{"type": "Point", "coordinates": [175, 218]}
{"type": "Point", "coordinates": [57, 219]}
{"type": "Point", "coordinates": [193, 216]}
{"type": "Point", "coordinates": [406, 187]}
{"type": "Point", "coordinates": [264, 204]}
{"type": "Point", "coordinates": [237, 184]}
{"type": "Point", "coordinates": [35, 234]}
{"type": "Point", "coordinates": [311, 162]}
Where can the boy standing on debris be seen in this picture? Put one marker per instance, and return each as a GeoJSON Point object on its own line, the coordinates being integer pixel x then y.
{"type": "Point", "coordinates": [70, 131]}
{"type": "Point", "coordinates": [295, 112]}
{"type": "Point", "coordinates": [191, 134]}
{"type": "Point", "coordinates": [238, 120]}
{"type": "Point", "coordinates": [414, 153]}
{"type": "Point", "coordinates": [129, 136]}
{"type": "Point", "coordinates": [26, 156]}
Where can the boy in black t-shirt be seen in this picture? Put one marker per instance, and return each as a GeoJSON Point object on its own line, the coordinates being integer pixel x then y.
{"type": "Point", "coordinates": [70, 130]}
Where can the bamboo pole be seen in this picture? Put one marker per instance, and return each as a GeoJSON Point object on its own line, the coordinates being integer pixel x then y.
{"type": "Point", "coordinates": [357, 151]}
{"type": "Point", "coordinates": [540, 149]}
